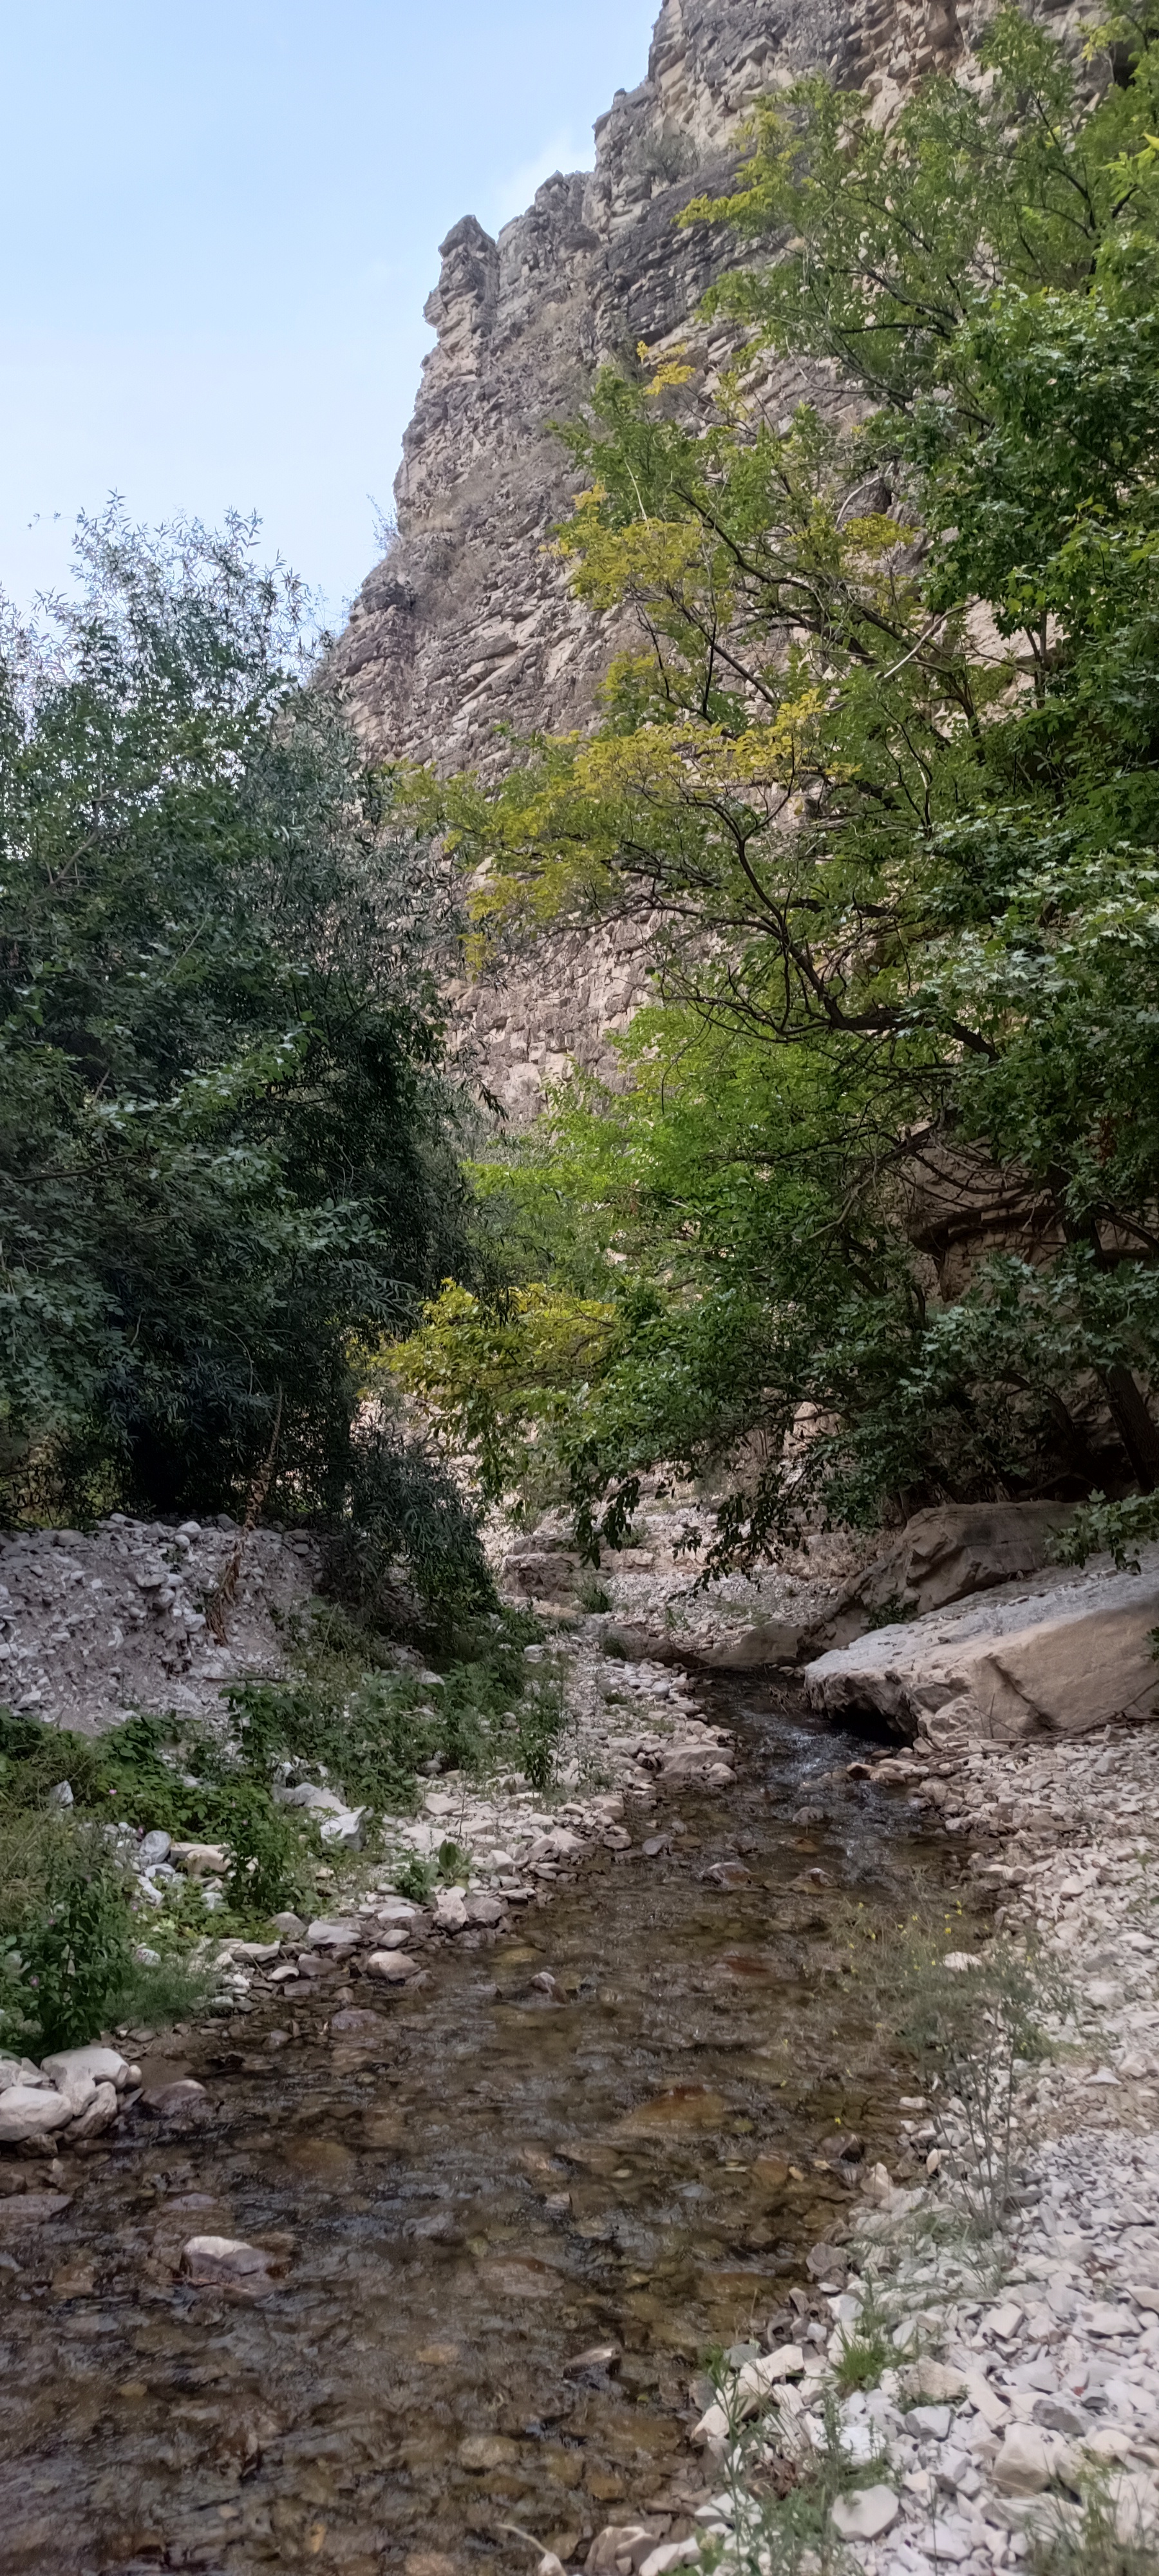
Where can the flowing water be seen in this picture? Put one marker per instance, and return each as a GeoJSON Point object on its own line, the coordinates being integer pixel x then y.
{"type": "Point", "coordinates": [462, 2198]}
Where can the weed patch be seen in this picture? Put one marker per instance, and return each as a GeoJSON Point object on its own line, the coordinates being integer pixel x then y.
{"type": "Point", "coordinates": [781, 2489]}
{"type": "Point", "coordinates": [866, 2348]}
{"type": "Point", "coordinates": [73, 1915]}
{"type": "Point", "coordinates": [976, 2021]}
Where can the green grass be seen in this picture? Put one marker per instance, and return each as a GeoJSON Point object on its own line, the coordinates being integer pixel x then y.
{"type": "Point", "coordinates": [790, 2532]}
{"type": "Point", "coordinates": [353, 1714]}
{"type": "Point", "coordinates": [1085, 2541]}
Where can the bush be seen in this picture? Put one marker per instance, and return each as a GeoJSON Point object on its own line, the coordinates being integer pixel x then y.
{"type": "Point", "coordinates": [76, 1942]}
{"type": "Point", "coordinates": [378, 1730]}
{"type": "Point", "coordinates": [69, 1918]}
{"type": "Point", "coordinates": [408, 1543]}
{"type": "Point", "coordinates": [227, 1152]}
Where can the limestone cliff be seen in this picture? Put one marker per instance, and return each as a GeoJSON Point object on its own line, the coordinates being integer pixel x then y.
{"type": "Point", "coordinates": [467, 625]}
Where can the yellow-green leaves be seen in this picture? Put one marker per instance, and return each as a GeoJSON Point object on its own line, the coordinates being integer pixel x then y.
{"type": "Point", "coordinates": [496, 1376]}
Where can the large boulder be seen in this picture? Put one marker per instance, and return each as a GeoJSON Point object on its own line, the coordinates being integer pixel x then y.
{"type": "Point", "coordinates": [1058, 1655]}
{"type": "Point", "coordinates": [941, 1556]}
{"type": "Point", "coordinates": [34, 2111]}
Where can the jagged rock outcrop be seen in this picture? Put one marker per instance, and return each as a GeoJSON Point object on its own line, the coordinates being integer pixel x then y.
{"type": "Point", "coordinates": [467, 624]}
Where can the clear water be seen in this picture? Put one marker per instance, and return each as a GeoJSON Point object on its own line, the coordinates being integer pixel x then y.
{"type": "Point", "coordinates": [464, 2197]}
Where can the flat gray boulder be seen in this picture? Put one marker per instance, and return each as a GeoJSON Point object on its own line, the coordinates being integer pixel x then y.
{"type": "Point", "coordinates": [943, 1555]}
{"type": "Point", "coordinates": [1056, 1655]}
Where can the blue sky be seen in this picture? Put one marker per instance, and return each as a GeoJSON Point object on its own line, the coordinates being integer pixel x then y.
{"type": "Point", "coordinates": [222, 220]}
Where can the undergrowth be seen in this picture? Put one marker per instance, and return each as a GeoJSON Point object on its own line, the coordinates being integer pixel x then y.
{"type": "Point", "coordinates": [975, 2013]}
{"type": "Point", "coordinates": [80, 1942]}
{"type": "Point", "coordinates": [867, 2346]}
{"type": "Point", "coordinates": [782, 2490]}
{"type": "Point", "coordinates": [1100, 2536]}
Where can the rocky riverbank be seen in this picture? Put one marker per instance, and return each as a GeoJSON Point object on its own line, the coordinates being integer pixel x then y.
{"type": "Point", "coordinates": [1009, 2396]}
{"type": "Point", "coordinates": [1012, 2384]}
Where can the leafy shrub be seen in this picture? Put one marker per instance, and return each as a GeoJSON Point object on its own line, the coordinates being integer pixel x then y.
{"type": "Point", "coordinates": [406, 1523]}
{"type": "Point", "coordinates": [415, 1880]}
{"type": "Point", "coordinates": [76, 1946]}
{"type": "Point", "coordinates": [175, 1989]}
{"type": "Point", "coordinates": [226, 1147]}
{"type": "Point", "coordinates": [378, 1730]}
{"type": "Point", "coordinates": [35, 1758]}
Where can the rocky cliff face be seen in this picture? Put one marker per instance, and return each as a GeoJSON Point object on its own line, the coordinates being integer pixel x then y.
{"type": "Point", "coordinates": [467, 624]}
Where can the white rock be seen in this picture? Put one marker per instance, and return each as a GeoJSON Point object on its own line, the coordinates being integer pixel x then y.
{"type": "Point", "coordinates": [343, 1829]}
{"type": "Point", "coordinates": [484, 1909]}
{"type": "Point", "coordinates": [78, 2093]}
{"type": "Point", "coordinates": [756, 2378]}
{"type": "Point", "coordinates": [98, 2115]}
{"type": "Point", "coordinates": [866, 2514]}
{"type": "Point", "coordinates": [1062, 1655]}
{"type": "Point", "coordinates": [31, 2111]}
{"type": "Point", "coordinates": [1005, 2321]}
{"type": "Point", "coordinates": [671, 2553]}
{"type": "Point", "coordinates": [619, 2545]}
{"type": "Point", "coordinates": [392, 1967]}
{"type": "Point", "coordinates": [325, 1934]}
{"type": "Point", "coordinates": [712, 2432]}
{"type": "Point", "coordinates": [986, 2401]}
{"type": "Point", "coordinates": [198, 1860]}
{"type": "Point", "coordinates": [20, 2070]}
{"type": "Point", "coordinates": [934, 2381]}
{"type": "Point", "coordinates": [450, 1909]}
{"type": "Point", "coordinates": [948, 2540]}
{"type": "Point", "coordinates": [155, 1847]}
{"type": "Point", "coordinates": [1023, 2466]}
{"type": "Point", "coordinates": [224, 2258]}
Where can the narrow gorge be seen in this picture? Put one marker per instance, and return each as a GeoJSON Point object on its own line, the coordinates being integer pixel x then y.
{"type": "Point", "coordinates": [566, 2003]}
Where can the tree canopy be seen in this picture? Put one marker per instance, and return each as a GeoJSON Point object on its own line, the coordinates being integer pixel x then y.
{"type": "Point", "coordinates": [881, 773]}
{"type": "Point", "coordinates": [228, 1152]}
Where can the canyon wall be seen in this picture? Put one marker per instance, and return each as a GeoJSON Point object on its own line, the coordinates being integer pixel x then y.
{"type": "Point", "coordinates": [466, 626]}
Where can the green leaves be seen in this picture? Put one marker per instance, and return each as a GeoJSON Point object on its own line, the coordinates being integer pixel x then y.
{"type": "Point", "coordinates": [879, 773]}
{"type": "Point", "coordinates": [224, 1143]}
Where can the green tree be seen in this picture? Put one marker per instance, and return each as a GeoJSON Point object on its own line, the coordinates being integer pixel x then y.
{"type": "Point", "coordinates": [227, 1150]}
{"type": "Point", "coordinates": [882, 776]}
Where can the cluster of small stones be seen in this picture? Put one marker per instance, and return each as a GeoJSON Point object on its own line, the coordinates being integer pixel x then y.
{"type": "Point", "coordinates": [94, 1626]}
{"type": "Point", "coordinates": [633, 1732]}
{"type": "Point", "coordinates": [653, 1585]}
{"type": "Point", "coordinates": [1036, 2376]}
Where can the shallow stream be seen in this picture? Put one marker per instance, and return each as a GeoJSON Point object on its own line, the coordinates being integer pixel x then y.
{"type": "Point", "coordinates": [463, 2197]}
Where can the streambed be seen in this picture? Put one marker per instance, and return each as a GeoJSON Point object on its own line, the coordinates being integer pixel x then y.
{"type": "Point", "coordinates": [463, 2195]}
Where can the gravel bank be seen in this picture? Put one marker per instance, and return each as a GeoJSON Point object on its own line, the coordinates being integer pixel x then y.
{"type": "Point", "coordinates": [1021, 2373]}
